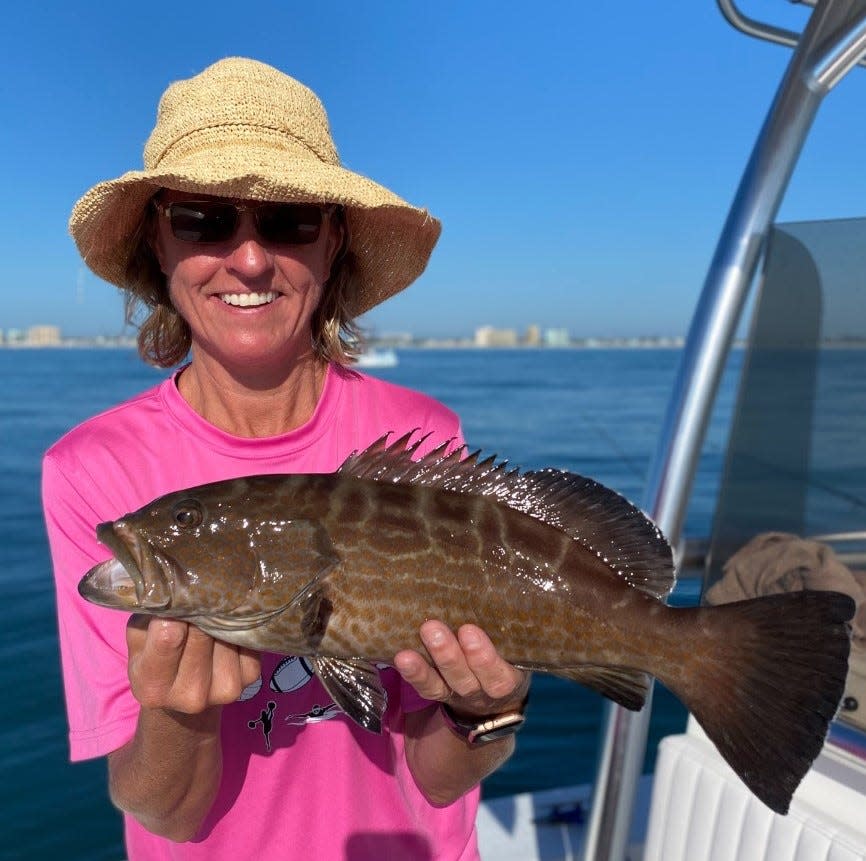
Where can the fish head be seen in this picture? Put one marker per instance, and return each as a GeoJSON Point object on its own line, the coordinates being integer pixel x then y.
{"type": "Point", "coordinates": [216, 551]}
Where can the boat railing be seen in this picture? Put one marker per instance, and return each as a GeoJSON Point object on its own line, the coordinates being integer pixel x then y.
{"type": "Point", "coordinates": [763, 29]}
{"type": "Point", "coordinates": [833, 42]}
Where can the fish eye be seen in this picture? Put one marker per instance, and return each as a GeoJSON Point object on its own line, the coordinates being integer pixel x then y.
{"type": "Point", "coordinates": [188, 513]}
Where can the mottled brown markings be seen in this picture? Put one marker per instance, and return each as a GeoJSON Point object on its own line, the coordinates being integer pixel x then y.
{"type": "Point", "coordinates": [490, 529]}
{"type": "Point", "coordinates": [338, 646]}
{"type": "Point", "coordinates": [396, 539]}
{"type": "Point", "coordinates": [449, 508]}
{"type": "Point", "coordinates": [352, 504]}
{"type": "Point", "coordinates": [526, 537]}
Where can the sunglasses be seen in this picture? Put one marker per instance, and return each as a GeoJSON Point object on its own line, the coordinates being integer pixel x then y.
{"type": "Point", "coordinates": [210, 221]}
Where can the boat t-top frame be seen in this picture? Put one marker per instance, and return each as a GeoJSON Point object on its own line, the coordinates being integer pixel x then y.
{"type": "Point", "coordinates": [833, 42]}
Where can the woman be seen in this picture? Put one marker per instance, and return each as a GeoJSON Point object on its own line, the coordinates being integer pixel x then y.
{"type": "Point", "coordinates": [253, 250]}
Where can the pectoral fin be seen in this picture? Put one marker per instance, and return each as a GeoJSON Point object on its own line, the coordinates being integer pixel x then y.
{"type": "Point", "coordinates": [355, 687]}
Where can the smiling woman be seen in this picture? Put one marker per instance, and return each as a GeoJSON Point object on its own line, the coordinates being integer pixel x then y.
{"type": "Point", "coordinates": [252, 250]}
{"type": "Point", "coordinates": [247, 280]}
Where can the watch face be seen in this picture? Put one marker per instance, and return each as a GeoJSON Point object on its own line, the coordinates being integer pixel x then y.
{"type": "Point", "coordinates": [494, 734]}
{"type": "Point", "coordinates": [496, 728]}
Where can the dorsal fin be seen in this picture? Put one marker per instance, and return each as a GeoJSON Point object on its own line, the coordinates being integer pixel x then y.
{"type": "Point", "coordinates": [604, 522]}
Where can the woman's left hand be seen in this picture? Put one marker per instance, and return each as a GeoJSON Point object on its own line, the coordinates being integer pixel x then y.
{"type": "Point", "coordinates": [467, 673]}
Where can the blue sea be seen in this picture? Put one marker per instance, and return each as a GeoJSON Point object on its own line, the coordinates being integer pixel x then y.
{"type": "Point", "coordinates": [597, 412]}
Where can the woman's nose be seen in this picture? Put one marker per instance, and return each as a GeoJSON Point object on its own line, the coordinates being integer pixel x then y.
{"type": "Point", "coordinates": [249, 257]}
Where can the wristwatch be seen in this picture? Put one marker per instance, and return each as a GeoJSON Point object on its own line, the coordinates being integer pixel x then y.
{"type": "Point", "coordinates": [483, 730]}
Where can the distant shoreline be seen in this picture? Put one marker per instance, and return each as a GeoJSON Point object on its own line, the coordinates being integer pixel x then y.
{"type": "Point", "coordinates": [445, 344]}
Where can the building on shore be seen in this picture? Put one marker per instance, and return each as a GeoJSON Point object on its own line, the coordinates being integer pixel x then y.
{"type": "Point", "coordinates": [557, 338]}
{"type": "Point", "coordinates": [488, 336]}
{"type": "Point", "coordinates": [35, 336]}
{"type": "Point", "coordinates": [43, 336]}
{"type": "Point", "coordinates": [532, 337]}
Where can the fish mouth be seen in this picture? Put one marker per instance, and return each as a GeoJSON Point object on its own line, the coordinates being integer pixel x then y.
{"type": "Point", "coordinates": [136, 579]}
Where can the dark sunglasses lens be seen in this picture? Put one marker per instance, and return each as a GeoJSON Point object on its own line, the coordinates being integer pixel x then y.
{"type": "Point", "coordinates": [203, 220]}
{"type": "Point", "coordinates": [289, 223]}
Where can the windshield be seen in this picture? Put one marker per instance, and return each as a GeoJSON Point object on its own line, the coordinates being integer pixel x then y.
{"type": "Point", "coordinates": [792, 503]}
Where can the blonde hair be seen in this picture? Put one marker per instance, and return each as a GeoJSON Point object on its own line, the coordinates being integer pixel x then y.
{"type": "Point", "coordinates": [164, 337]}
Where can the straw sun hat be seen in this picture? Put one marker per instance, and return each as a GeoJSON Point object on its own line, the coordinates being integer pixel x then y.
{"type": "Point", "coordinates": [244, 130]}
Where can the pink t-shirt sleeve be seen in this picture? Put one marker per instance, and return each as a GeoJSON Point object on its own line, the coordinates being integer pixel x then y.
{"type": "Point", "coordinates": [100, 707]}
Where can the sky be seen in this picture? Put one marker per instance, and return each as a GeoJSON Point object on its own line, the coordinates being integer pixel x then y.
{"type": "Point", "coordinates": [581, 156]}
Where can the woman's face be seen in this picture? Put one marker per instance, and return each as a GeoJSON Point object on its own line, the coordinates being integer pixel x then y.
{"type": "Point", "coordinates": [247, 301]}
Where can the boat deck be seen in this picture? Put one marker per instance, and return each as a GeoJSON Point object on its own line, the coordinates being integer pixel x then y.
{"type": "Point", "coordinates": [549, 825]}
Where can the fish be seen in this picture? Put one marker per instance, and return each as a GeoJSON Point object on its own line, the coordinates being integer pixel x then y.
{"type": "Point", "coordinates": [564, 575]}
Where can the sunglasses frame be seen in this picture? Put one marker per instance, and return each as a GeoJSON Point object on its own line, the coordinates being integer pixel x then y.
{"type": "Point", "coordinates": [164, 209]}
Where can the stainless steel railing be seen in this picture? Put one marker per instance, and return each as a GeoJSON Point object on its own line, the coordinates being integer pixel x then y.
{"type": "Point", "coordinates": [832, 43]}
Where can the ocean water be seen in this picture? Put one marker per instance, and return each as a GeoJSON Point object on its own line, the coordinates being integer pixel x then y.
{"type": "Point", "coordinates": [595, 412]}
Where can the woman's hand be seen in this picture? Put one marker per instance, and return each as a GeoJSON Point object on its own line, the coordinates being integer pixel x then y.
{"type": "Point", "coordinates": [467, 673]}
{"type": "Point", "coordinates": [168, 774]}
{"type": "Point", "coordinates": [174, 665]}
{"type": "Point", "coordinates": [476, 682]}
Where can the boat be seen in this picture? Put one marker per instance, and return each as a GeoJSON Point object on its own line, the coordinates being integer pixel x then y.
{"type": "Point", "coordinates": [791, 468]}
{"type": "Point", "coordinates": [377, 358]}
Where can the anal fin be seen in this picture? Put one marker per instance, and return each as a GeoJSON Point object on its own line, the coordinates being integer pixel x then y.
{"type": "Point", "coordinates": [628, 688]}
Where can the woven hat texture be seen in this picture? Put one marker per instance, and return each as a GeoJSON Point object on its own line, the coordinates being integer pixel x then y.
{"type": "Point", "coordinates": [243, 129]}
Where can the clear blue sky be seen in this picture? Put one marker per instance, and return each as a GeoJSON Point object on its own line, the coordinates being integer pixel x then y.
{"type": "Point", "coordinates": [581, 155]}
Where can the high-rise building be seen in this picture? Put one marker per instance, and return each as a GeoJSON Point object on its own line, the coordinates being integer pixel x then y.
{"type": "Point", "coordinates": [532, 337]}
{"type": "Point", "coordinates": [43, 336]}
{"type": "Point", "coordinates": [487, 336]}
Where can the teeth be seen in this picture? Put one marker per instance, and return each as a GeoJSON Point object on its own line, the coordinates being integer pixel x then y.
{"type": "Point", "coordinates": [248, 300]}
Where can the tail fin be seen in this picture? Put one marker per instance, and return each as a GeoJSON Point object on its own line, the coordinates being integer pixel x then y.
{"type": "Point", "coordinates": [768, 692]}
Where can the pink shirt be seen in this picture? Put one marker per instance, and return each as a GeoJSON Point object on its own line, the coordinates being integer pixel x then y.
{"type": "Point", "coordinates": [300, 780]}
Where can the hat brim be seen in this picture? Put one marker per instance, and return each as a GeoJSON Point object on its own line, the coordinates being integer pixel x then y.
{"type": "Point", "coordinates": [391, 240]}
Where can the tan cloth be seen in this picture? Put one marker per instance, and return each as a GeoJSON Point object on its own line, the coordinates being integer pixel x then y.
{"type": "Point", "coordinates": [778, 562]}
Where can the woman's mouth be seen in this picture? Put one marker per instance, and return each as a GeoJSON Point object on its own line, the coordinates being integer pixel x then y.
{"type": "Point", "coordinates": [248, 300]}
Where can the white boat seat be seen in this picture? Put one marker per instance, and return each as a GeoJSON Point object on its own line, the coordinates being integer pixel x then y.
{"type": "Point", "coordinates": [700, 811]}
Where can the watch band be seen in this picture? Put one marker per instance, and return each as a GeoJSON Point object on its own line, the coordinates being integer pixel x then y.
{"type": "Point", "coordinates": [483, 730]}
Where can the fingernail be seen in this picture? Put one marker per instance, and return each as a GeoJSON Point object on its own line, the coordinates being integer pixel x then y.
{"type": "Point", "coordinates": [170, 633]}
{"type": "Point", "coordinates": [436, 637]}
{"type": "Point", "coordinates": [470, 638]}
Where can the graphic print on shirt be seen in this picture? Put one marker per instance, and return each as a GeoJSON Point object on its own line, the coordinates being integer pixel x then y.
{"type": "Point", "coordinates": [291, 676]}
{"type": "Point", "coordinates": [266, 719]}
{"type": "Point", "coordinates": [314, 715]}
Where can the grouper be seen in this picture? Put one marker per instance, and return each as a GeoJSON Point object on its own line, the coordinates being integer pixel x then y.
{"type": "Point", "coordinates": [564, 575]}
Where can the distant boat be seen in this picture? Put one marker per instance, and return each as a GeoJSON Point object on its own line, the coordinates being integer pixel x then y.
{"type": "Point", "coordinates": [374, 358]}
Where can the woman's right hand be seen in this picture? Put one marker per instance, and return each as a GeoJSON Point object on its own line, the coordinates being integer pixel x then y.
{"type": "Point", "coordinates": [176, 666]}
{"type": "Point", "coordinates": [168, 774]}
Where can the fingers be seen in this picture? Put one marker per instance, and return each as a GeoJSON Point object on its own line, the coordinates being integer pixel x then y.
{"type": "Point", "coordinates": [497, 677]}
{"type": "Point", "coordinates": [250, 666]}
{"type": "Point", "coordinates": [155, 647]}
{"type": "Point", "coordinates": [467, 671]}
{"type": "Point", "coordinates": [424, 678]}
{"type": "Point", "coordinates": [177, 666]}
